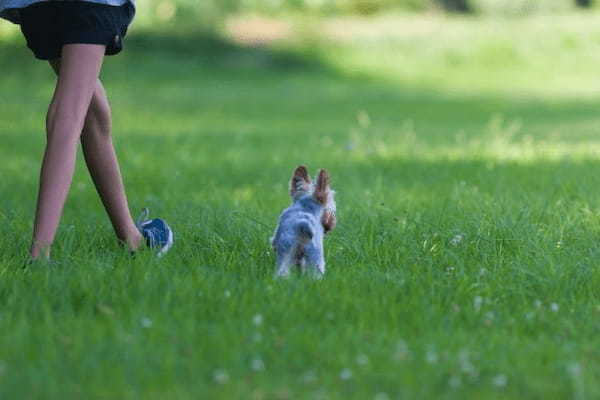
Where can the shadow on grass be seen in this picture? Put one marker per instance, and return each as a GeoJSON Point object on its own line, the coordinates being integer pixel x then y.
{"type": "Point", "coordinates": [211, 49]}
{"type": "Point", "coordinates": [217, 51]}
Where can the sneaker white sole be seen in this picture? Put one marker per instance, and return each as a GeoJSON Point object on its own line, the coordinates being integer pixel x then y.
{"type": "Point", "coordinates": [167, 246]}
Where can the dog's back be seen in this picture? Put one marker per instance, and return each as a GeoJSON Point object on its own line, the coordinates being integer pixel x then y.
{"type": "Point", "coordinates": [298, 239]}
{"type": "Point", "coordinates": [300, 231]}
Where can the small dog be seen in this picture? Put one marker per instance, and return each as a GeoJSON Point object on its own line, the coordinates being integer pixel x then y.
{"type": "Point", "coordinates": [298, 239]}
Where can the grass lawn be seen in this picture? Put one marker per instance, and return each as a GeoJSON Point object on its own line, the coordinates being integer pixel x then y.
{"type": "Point", "coordinates": [466, 259]}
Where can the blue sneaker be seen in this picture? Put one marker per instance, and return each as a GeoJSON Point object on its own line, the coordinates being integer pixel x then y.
{"type": "Point", "coordinates": [157, 233]}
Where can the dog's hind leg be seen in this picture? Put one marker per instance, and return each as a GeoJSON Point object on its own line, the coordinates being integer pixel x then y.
{"type": "Point", "coordinates": [315, 262]}
{"type": "Point", "coordinates": [284, 264]}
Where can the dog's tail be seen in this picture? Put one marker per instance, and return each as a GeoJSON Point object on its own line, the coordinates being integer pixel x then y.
{"type": "Point", "coordinates": [304, 232]}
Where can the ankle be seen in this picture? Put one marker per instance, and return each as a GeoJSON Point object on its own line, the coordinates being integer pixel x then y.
{"type": "Point", "coordinates": [39, 251]}
{"type": "Point", "coordinates": [134, 240]}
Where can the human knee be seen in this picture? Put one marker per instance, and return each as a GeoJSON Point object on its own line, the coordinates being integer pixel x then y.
{"type": "Point", "coordinates": [62, 123]}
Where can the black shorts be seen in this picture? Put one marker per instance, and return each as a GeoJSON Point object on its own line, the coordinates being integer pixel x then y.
{"type": "Point", "coordinates": [48, 26]}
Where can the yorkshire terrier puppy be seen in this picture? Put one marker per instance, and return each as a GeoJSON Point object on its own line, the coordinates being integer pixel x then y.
{"type": "Point", "coordinates": [298, 238]}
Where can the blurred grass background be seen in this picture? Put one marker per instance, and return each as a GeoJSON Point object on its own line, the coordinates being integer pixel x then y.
{"type": "Point", "coordinates": [209, 14]}
{"type": "Point", "coordinates": [462, 140]}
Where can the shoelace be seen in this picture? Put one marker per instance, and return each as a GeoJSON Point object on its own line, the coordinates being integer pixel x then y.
{"type": "Point", "coordinates": [142, 218]}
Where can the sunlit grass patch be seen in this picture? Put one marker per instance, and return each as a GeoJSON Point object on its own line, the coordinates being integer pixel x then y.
{"type": "Point", "coordinates": [465, 54]}
{"type": "Point", "coordinates": [499, 141]}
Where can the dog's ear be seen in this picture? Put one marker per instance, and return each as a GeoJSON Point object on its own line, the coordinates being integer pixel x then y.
{"type": "Point", "coordinates": [325, 196]}
{"type": "Point", "coordinates": [322, 190]}
{"type": "Point", "coordinates": [300, 182]}
{"type": "Point", "coordinates": [328, 221]}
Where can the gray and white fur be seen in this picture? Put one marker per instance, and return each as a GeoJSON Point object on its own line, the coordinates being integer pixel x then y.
{"type": "Point", "coordinates": [298, 238]}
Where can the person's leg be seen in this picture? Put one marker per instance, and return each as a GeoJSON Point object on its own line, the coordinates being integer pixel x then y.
{"type": "Point", "coordinates": [102, 163]}
{"type": "Point", "coordinates": [76, 83]}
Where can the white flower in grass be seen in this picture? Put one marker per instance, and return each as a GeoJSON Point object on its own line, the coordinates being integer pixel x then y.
{"type": "Point", "coordinates": [554, 307]}
{"type": "Point", "coordinates": [309, 377]}
{"type": "Point", "coordinates": [346, 374]}
{"type": "Point", "coordinates": [455, 381]}
{"type": "Point", "coordinates": [258, 365]}
{"type": "Point", "coordinates": [431, 357]}
{"type": "Point", "coordinates": [463, 360]}
{"type": "Point", "coordinates": [455, 241]}
{"type": "Point", "coordinates": [529, 316]}
{"type": "Point", "coordinates": [466, 366]}
{"type": "Point", "coordinates": [227, 294]}
{"type": "Point", "coordinates": [221, 376]}
{"type": "Point", "coordinates": [257, 320]}
{"type": "Point", "coordinates": [146, 322]}
{"type": "Point", "coordinates": [574, 369]}
{"type": "Point", "coordinates": [500, 380]}
{"type": "Point", "coordinates": [482, 272]}
{"type": "Point", "coordinates": [402, 351]}
{"type": "Point", "coordinates": [477, 302]}
{"type": "Point", "coordinates": [362, 359]}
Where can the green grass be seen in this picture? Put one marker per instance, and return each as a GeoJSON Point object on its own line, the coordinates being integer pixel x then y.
{"type": "Point", "coordinates": [465, 263]}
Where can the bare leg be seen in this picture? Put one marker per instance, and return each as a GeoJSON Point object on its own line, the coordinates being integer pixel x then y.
{"type": "Point", "coordinates": [103, 165]}
{"type": "Point", "coordinates": [79, 71]}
